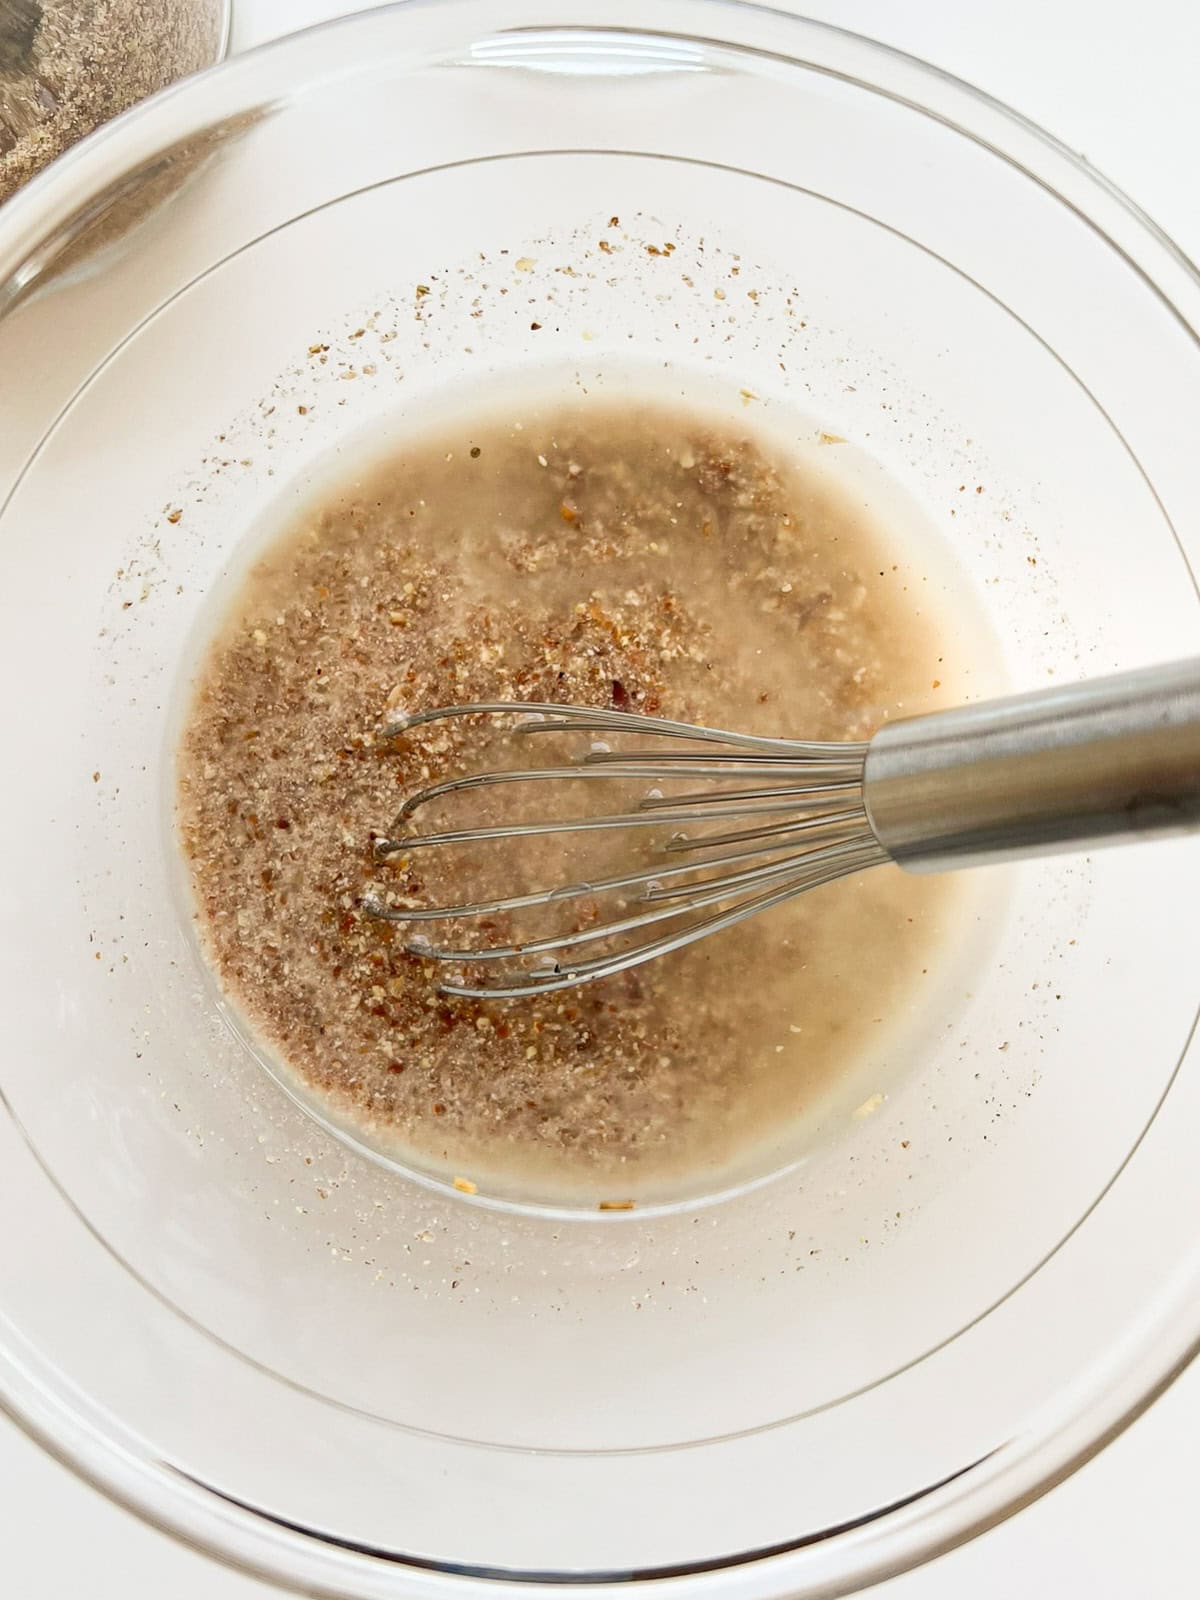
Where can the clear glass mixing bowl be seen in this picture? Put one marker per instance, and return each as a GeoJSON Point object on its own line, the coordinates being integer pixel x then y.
{"type": "Point", "coordinates": [315, 1367]}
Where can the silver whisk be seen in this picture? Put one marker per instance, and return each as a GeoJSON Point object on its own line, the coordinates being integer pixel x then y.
{"type": "Point", "coordinates": [1113, 759]}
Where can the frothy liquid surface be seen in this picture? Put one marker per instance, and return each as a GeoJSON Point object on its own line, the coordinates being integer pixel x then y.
{"type": "Point", "coordinates": [649, 559]}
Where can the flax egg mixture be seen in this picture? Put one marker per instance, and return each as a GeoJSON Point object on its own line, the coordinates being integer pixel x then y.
{"type": "Point", "coordinates": [651, 559]}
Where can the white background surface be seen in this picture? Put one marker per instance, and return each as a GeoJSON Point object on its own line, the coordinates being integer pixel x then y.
{"type": "Point", "coordinates": [1119, 84]}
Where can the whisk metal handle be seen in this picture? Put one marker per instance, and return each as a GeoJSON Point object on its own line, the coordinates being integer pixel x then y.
{"type": "Point", "coordinates": [1093, 763]}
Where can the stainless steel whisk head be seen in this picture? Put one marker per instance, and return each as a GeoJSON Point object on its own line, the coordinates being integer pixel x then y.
{"type": "Point", "coordinates": [1114, 758]}
{"type": "Point", "coordinates": [801, 823]}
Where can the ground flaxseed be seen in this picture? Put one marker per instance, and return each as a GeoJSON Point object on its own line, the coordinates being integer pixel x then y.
{"type": "Point", "coordinates": [66, 66]}
{"type": "Point", "coordinates": [643, 559]}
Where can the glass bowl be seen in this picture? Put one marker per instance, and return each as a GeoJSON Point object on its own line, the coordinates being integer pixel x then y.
{"type": "Point", "coordinates": [66, 66]}
{"type": "Point", "coordinates": [323, 1370]}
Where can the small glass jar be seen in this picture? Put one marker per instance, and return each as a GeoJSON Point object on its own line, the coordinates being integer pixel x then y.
{"type": "Point", "coordinates": [66, 66]}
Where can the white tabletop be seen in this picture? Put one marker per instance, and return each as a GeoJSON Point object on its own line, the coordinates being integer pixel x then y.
{"type": "Point", "coordinates": [1117, 83]}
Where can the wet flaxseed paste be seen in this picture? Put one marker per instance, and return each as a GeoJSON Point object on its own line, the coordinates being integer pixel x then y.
{"type": "Point", "coordinates": [650, 559]}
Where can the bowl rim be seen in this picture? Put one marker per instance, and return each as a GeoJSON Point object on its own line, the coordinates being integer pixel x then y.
{"type": "Point", "coordinates": [1020, 1470]}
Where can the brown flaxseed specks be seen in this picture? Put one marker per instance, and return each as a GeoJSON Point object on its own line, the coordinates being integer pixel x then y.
{"type": "Point", "coordinates": [693, 577]}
